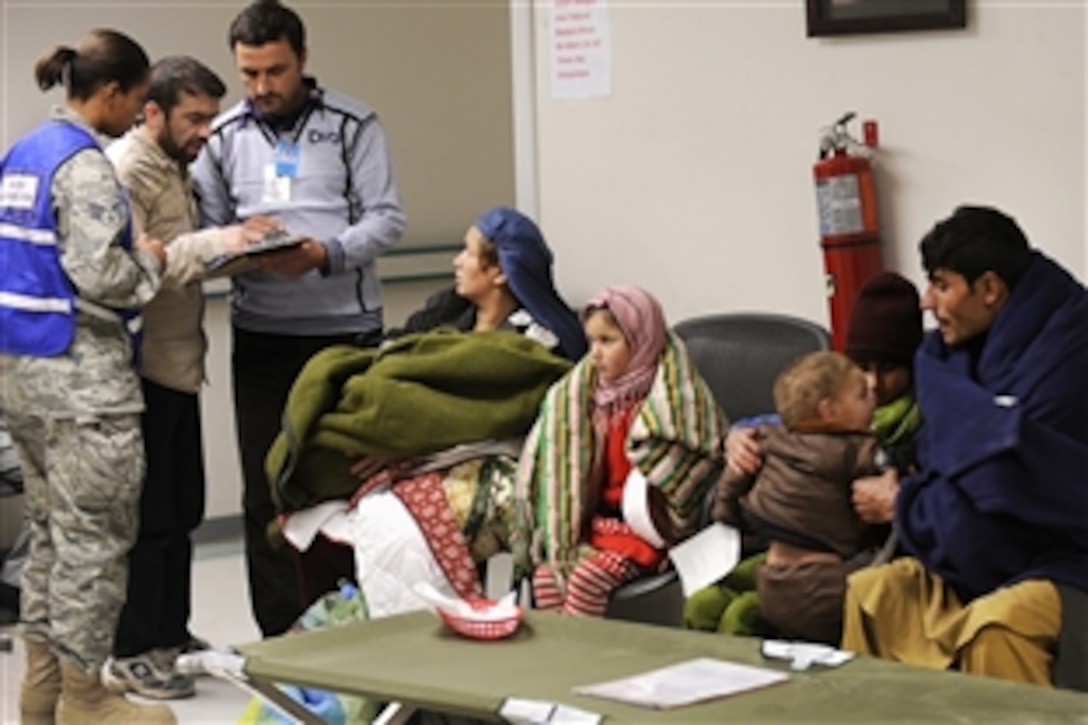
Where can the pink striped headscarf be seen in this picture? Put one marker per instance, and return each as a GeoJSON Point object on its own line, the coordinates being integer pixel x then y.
{"type": "Point", "coordinates": [639, 315]}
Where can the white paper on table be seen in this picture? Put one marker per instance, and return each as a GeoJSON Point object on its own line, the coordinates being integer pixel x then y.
{"type": "Point", "coordinates": [706, 557]}
{"type": "Point", "coordinates": [636, 508]}
{"type": "Point", "coordinates": [685, 683]}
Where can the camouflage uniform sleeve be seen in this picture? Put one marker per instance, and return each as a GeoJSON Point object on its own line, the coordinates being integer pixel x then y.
{"type": "Point", "coordinates": [91, 216]}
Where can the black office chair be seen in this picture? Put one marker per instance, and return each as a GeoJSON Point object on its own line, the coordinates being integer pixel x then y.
{"type": "Point", "coordinates": [739, 355]}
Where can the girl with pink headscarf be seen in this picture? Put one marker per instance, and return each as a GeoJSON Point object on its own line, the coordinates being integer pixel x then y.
{"type": "Point", "coordinates": [633, 413]}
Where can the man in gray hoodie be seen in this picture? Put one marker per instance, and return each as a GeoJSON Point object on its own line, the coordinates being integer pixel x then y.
{"type": "Point", "coordinates": [317, 161]}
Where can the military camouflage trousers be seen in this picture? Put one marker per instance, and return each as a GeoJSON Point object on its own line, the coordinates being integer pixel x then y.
{"type": "Point", "coordinates": [83, 478]}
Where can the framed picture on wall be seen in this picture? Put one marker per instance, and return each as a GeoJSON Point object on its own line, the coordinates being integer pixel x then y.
{"type": "Point", "coordinates": [847, 17]}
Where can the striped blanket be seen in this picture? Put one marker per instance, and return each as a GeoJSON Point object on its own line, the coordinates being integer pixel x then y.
{"type": "Point", "coordinates": [675, 441]}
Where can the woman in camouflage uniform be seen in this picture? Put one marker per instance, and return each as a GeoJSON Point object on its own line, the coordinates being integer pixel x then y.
{"type": "Point", "coordinates": [71, 283]}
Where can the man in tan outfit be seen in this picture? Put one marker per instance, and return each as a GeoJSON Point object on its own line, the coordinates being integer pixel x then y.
{"type": "Point", "coordinates": [152, 163]}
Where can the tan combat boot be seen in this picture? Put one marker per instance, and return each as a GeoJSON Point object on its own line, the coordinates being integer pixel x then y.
{"type": "Point", "coordinates": [84, 699]}
{"type": "Point", "coordinates": [41, 684]}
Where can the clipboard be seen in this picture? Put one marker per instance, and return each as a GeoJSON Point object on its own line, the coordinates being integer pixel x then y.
{"type": "Point", "coordinates": [227, 265]}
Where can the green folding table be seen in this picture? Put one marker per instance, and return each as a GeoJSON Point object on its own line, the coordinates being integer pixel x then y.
{"type": "Point", "coordinates": [414, 660]}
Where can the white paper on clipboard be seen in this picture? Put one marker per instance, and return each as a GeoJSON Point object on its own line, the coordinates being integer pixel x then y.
{"type": "Point", "coordinates": [706, 557]}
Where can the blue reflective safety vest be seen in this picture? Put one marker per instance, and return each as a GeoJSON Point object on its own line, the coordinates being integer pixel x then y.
{"type": "Point", "coordinates": [37, 300]}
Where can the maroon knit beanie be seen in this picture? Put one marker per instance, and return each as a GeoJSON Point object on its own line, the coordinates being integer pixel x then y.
{"type": "Point", "coordinates": [885, 322]}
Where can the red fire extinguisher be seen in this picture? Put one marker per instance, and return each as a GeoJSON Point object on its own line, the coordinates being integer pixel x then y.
{"type": "Point", "coordinates": [849, 223]}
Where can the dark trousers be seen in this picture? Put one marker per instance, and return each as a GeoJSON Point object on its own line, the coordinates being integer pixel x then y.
{"type": "Point", "coordinates": [156, 611]}
{"type": "Point", "coordinates": [264, 367]}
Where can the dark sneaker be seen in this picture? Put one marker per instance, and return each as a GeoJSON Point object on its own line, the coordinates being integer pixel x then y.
{"type": "Point", "coordinates": [144, 675]}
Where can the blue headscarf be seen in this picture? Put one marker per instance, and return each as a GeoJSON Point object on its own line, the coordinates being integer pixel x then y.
{"type": "Point", "coordinates": [527, 263]}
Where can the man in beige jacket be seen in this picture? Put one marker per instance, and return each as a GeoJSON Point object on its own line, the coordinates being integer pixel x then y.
{"type": "Point", "coordinates": [152, 163]}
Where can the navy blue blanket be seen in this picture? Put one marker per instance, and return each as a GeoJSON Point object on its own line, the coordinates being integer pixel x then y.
{"type": "Point", "coordinates": [1003, 490]}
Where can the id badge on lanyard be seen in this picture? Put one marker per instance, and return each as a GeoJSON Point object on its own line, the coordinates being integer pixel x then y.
{"type": "Point", "coordinates": [279, 175]}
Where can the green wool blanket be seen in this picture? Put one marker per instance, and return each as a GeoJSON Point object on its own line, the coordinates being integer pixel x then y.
{"type": "Point", "coordinates": [420, 394]}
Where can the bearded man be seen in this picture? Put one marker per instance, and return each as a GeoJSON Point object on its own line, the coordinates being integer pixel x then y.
{"type": "Point", "coordinates": [152, 163]}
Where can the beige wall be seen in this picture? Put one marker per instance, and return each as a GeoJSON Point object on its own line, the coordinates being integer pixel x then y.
{"type": "Point", "coordinates": [694, 177]}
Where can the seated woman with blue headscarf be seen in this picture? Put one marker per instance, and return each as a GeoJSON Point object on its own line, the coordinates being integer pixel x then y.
{"type": "Point", "coordinates": [503, 280]}
{"type": "Point", "coordinates": [433, 421]}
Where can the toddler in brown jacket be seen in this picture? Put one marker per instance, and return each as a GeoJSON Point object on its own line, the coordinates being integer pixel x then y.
{"type": "Point", "coordinates": [799, 500]}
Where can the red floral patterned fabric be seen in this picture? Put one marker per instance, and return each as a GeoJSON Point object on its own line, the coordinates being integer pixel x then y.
{"type": "Point", "coordinates": [425, 499]}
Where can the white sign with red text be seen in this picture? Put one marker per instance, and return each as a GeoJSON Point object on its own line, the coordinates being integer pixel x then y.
{"type": "Point", "coordinates": [581, 50]}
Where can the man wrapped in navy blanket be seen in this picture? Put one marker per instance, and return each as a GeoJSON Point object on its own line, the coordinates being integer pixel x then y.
{"type": "Point", "coordinates": [995, 522]}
